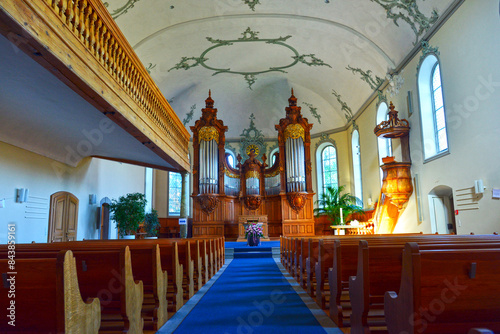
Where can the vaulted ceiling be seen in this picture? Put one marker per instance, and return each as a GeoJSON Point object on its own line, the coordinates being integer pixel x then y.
{"type": "Point", "coordinates": [250, 53]}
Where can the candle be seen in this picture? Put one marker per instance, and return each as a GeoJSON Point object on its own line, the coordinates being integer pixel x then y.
{"type": "Point", "coordinates": [341, 217]}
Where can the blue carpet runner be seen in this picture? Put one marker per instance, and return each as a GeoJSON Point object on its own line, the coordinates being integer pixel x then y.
{"type": "Point", "coordinates": [250, 297]}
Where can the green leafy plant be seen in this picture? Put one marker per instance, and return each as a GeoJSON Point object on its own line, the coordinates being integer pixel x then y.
{"type": "Point", "coordinates": [151, 224]}
{"type": "Point", "coordinates": [128, 212]}
{"type": "Point", "coordinates": [332, 200]}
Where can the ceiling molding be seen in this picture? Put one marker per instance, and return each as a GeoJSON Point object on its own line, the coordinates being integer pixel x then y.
{"type": "Point", "coordinates": [416, 49]}
{"type": "Point", "coordinates": [377, 48]}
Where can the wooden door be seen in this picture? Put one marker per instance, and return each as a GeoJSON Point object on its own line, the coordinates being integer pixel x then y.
{"type": "Point", "coordinates": [63, 218]}
{"type": "Point", "coordinates": [104, 218]}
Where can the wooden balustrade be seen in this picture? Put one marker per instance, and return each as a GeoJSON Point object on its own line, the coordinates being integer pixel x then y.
{"type": "Point", "coordinates": [92, 25]}
{"type": "Point", "coordinates": [97, 33]}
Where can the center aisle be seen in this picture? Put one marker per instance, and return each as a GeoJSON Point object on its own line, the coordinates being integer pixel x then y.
{"type": "Point", "coordinates": [251, 296]}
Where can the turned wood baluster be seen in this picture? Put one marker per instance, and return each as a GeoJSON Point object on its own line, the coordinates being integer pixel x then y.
{"type": "Point", "coordinates": [82, 27]}
{"type": "Point", "coordinates": [111, 54]}
{"type": "Point", "coordinates": [93, 19]}
{"type": "Point", "coordinates": [141, 91]}
{"type": "Point", "coordinates": [86, 35]}
{"type": "Point", "coordinates": [125, 70]}
{"type": "Point", "coordinates": [105, 38]}
{"type": "Point", "coordinates": [70, 15]}
{"type": "Point", "coordinates": [119, 62]}
{"type": "Point", "coordinates": [55, 5]}
{"type": "Point", "coordinates": [128, 70]}
{"type": "Point", "coordinates": [98, 40]}
{"type": "Point", "coordinates": [76, 18]}
{"type": "Point", "coordinates": [105, 48]}
{"type": "Point", "coordinates": [62, 9]}
{"type": "Point", "coordinates": [134, 83]}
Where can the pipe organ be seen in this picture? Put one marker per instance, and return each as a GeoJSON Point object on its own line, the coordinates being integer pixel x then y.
{"type": "Point", "coordinates": [223, 193]}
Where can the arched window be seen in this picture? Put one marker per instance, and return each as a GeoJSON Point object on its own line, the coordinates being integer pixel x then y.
{"type": "Point", "coordinates": [384, 144]}
{"type": "Point", "coordinates": [327, 170]}
{"type": "Point", "coordinates": [432, 108]}
{"type": "Point", "coordinates": [231, 159]}
{"type": "Point", "coordinates": [174, 193]}
{"type": "Point", "coordinates": [356, 164]}
{"type": "Point", "coordinates": [148, 188]}
{"type": "Point", "coordinates": [271, 155]}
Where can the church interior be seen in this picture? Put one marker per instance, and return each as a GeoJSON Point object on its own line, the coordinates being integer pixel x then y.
{"type": "Point", "coordinates": [232, 112]}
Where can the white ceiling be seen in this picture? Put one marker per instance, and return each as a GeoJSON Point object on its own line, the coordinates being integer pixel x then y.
{"type": "Point", "coordinates": [339, 33]}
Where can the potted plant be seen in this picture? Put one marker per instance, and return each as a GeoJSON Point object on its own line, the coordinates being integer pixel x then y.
{"type": "Point", "coordinates": [332, 201]}
{"type": "Point", "coordinates": [151, 224]}
{"type": "Point", "coordinates": [128, 212]}
{"type": "Point", "coordinates": [253, 232]}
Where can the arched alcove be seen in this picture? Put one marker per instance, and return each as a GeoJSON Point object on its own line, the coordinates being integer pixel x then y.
{"type": "Point", "coordinates": [441, 210]}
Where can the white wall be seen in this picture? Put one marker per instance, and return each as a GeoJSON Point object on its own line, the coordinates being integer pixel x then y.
{"type": "Point", "coordinates": [43, 177]}
{"type": "Point", "coordinates": [469, 57]}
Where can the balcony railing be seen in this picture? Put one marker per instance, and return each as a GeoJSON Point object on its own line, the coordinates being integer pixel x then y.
{"type": "Point", "coordinates": [94, 29]}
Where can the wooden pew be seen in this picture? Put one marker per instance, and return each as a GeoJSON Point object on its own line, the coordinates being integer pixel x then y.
{"type": "Point", "coordinates": [106, 274]}
{"type": "Point", "coordinates": [320, 259]}
{"type": "Point", "coordinates": [146, 262]}
{"type": "Point", "coordinates": [379, 270]}
{"type": "Point", "coordinates": [47, 297]}
{"type": "Point", "coordinates": [345, 257]}
{"type": "Point", "coordinates": [445, 291]}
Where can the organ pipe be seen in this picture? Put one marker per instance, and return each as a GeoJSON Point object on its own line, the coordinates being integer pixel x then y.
{"type": "Point", "coordinates": [295, 164]}
{"type": "Point", "coordinates": [209, 161]}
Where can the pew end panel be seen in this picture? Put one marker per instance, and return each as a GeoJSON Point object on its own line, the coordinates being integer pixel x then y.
{"type": "Point", "coordinates": [446, 291]}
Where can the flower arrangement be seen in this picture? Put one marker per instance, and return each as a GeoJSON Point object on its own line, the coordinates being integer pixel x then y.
{"type": "Point", "coordinates": [253, 232]}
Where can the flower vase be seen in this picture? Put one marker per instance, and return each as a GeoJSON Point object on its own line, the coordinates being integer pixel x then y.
{"type": "Point", "coordinates": [253, 241]}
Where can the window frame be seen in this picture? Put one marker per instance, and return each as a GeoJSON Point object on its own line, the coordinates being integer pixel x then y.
{"type": "Point", "coordinates": [319, 165]}
{"type": "Point", "coordinates": [169, 214]}
{"type": "Point", "coordinates": [434, 109]}
{"type": "Point", "coordinates": [387, 141]}
{"type": "Point", "coordinates": [360, 197]}
{"type": "Point", "coordinates": [427, 109]}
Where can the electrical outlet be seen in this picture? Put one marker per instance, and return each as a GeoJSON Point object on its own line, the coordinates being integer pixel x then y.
{"type": "Point", "coordinates": [2, 203]}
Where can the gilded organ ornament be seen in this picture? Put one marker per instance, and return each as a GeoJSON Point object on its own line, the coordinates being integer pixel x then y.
{"type": "Point", "coordinates": [207, 133]}
{"type": "Point", "coordinates": [294, 131]}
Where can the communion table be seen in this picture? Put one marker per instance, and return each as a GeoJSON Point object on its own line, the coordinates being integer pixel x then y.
{"type": "Point", "coordinates": [243, 221]}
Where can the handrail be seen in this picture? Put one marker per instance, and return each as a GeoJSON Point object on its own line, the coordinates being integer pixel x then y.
{"type": "Point", "coordinates": [94, 27]}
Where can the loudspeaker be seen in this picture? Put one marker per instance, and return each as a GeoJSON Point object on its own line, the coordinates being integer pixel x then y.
{"type": "Point", "coordinates": [478, 186]}
{"type": "Point", "coordinates": [20, 195]}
